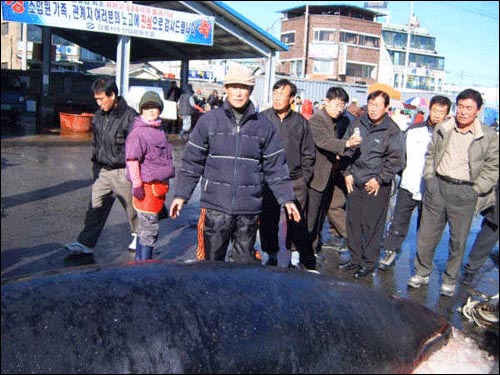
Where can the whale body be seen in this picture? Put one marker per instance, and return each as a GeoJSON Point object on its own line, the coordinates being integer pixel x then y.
{"type": "Point", "coordinates": [209, 317]}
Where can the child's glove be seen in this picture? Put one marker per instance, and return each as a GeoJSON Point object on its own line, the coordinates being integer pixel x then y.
{"type": "Point", "coordinates": [138, 192]}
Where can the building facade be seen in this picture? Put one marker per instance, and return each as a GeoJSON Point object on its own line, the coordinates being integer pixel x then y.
{"type": "Point", "coordinates": [347, 44]}
{"type": "Point", "coordinates": [335, 42]}
{"type": "Point", "coordinates": [65, 56]}
{"type": "Point", "coordinates": [415, 61]}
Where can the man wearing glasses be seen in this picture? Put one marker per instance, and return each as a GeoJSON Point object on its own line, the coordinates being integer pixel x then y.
{"type": "Point", "coordinates": [327, 127]}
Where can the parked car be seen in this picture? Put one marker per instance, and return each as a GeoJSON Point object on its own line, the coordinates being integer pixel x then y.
{"type": "Point", "coordinates": [134, 96]}
{"type": "Point", "coordinates": [13, 97]}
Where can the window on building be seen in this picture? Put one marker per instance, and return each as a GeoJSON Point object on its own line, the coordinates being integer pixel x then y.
{"type": "Point", "coordinates": [396, 80]}
{"type": "Point", "coordinates": [426, 61]}
{"type": "Point", "coordinates": [394, 39]}
{"type": "Point", "coordinates": [324, 36]}
{"type": "Point", "coordinates": [397, 58]}
{"type": "Point", "coordinates": [288, 38]}
{"type": "Point", "coordinates": [360, 70]}
{"type": "Point", "coordinates": [86, 55]}
{"type": "Point", "coordinates": [349, 38]}
{"type": "Point", "coordinates": [296, 68]}
{"type": "Point", "coordinates": [34, 33]}
{"type": "Point", "coordinates": [5, 28]}
{"type": "Point", "coordinates": [420, 83]}
{"type": "Point", "coordinates": [423, 42]}
{"type": "Point", "coordinates": [369, 41]}
{"type": "Point", "coordinates": [322, 67]}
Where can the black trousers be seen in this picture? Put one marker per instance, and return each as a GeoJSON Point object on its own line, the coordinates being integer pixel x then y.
{"type": "Point", "coordinates": [220, 229]}
{"type": "Point", "coordinates": [366, 216]}
{"type": "Point", "coordinates": [336, 210]}
{"type": "Point", "coordinates": [319, 202]}
{"type": "Point", "coordinates": [296, 237]}
{"type": "Point", "coordinates": [401, 218]}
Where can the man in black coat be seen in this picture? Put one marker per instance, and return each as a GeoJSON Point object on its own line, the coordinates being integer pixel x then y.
{"type": "Point", "coordinates": [300, 154]}
{"type": "Point", "coordinates": [368, 177]}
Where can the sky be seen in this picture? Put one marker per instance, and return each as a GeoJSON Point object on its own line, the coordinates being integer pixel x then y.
{"type": "Point", "coordinates": [466, 32]}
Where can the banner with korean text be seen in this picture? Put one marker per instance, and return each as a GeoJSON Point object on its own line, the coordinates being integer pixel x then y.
{"type": "Point", "coordinates": [114, 17]}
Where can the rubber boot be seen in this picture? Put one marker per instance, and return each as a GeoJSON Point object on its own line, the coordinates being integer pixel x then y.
{"type": "Point", "coordinates": [143, 252]}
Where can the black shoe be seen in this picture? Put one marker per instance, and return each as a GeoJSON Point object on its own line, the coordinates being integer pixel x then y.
{"type": "Point", "coordinates": [388, 261]}
{"type": "Point", "coordinates": [272, 260]}
{"type": "Point", "coordinates": [362, 272]}
{"type": "Point", "coordinates": [349, 266]}
{"type": "Point", "coordinates": [468, 277]}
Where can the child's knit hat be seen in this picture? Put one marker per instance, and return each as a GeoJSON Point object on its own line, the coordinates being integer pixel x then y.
{"type": "Point", "coordinates": [151, 97]}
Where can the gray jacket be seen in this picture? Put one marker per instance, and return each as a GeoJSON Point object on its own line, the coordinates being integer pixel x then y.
{"type": "Point", "coordinates": [186, 104]}
{"type": "Point", "coordinates": [483, 159]}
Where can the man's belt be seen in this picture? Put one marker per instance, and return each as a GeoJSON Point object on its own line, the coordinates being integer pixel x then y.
{"type": "Point", "coordinates": [454, 181]}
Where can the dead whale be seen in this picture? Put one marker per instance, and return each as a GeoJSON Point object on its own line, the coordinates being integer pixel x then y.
{"type": "Point", "coordinates": [209, 317]}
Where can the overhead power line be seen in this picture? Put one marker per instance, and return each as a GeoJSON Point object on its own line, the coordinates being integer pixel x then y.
{"type": "Point", "coordinates": [478, 11]}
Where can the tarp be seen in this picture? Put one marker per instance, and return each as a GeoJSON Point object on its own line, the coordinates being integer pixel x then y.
{"type": "Point", "coordinates": [391, 91]}
{"type": "Point", "coordinates": [490, 115]}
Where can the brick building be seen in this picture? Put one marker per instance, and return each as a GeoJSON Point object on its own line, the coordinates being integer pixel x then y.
{"type": "Point", "coordinates": [336, 42]}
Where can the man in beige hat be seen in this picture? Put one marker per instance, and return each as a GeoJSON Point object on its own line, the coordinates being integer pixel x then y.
{"type": "Point", "coordinates": [235, 151]}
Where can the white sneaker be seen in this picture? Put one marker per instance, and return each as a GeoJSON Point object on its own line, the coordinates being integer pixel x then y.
{"type": "Point", "coordinates": [416, 281]}
{"type": "Point", "coordinates": [312, 271]}
{"type": "Point", "coordinates": [294, 258]}
{"type": "Point", "coordinates": [447, 290]}
{"type": "Point", "coordinates": [133, 245]}
{"type": "Point", "coordinates": [78, 248]}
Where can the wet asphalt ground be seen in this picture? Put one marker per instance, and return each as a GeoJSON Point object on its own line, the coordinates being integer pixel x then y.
{"type": "Point", "coordinates": [45, 189]}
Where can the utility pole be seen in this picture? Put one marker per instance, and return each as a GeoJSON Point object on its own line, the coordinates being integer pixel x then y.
{"type": "Point", "coordinates": [408, 44]}
{"type": "Point", "coordinates": [306, 42]}
{"type": "Point", "coordinates": [24, 56]}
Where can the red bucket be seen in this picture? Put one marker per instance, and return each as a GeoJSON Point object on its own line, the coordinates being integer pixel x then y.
{"type": "Point", "coordinates": [76, 122]}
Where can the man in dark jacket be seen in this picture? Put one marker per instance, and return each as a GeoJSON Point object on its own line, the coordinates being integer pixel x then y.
{"type": "Point", "coordinates": [235, 151]}
{"type": "Point", "coordinates": [186, 109]}
{"type": "Point", "coordinates": [111, 125]}
{"type": "Point", "coordinates": [300, 154]}
{"type": "Point", "coordinates": [174, 92]}
{"type": "Point", "coordinates": [328, 126]}
{"type": "Point", "coordinates": [368, 177]}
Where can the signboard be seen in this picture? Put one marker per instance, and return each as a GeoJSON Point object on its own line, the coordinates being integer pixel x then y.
{"type": "Point", "coordinates": [322, 51]}
{"type": "Point", "coordinates": [114, 17]}
{"type": "Point", "coordinates": [342, 64]}
{"type": "Point", "coordinates": [206, 75]}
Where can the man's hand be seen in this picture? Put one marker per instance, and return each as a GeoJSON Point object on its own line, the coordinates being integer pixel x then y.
{"type": "Point", "coordinates": [372, 186]}
{"type": "Point", "coordinates": [292, 211]}
{"type": "Point", "coordinates": [176, 207]}
{"type": "Point", "coordinates": [349, 183]}
{"type": "Point", "coordinates": [353, 141]}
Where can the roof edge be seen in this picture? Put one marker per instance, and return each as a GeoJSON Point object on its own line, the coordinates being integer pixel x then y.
{"type": "Point", "coordinates": [245, 20]}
